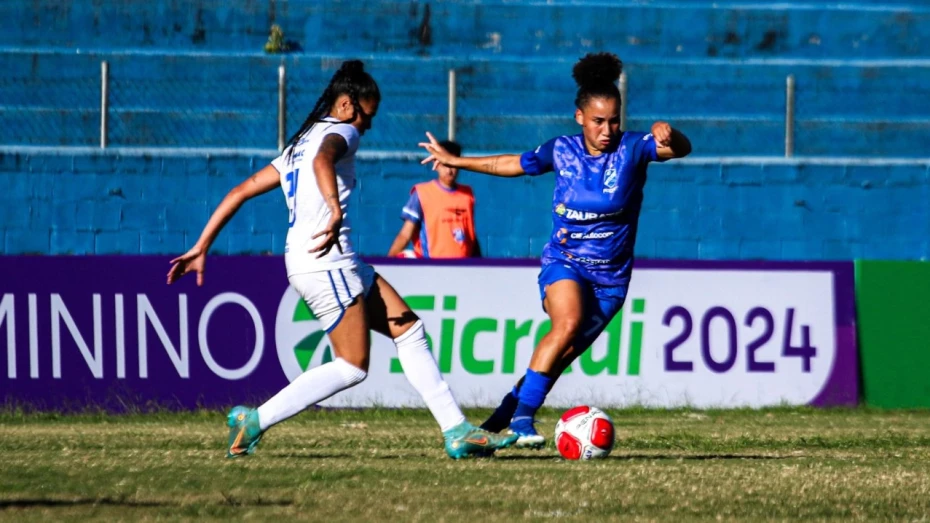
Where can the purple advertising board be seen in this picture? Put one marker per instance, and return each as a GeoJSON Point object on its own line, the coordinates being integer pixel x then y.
{"type": "Point", "coordinates": [107, 332]}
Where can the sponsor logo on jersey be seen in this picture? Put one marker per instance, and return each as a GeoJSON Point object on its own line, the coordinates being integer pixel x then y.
{"type": "Point", "coordinates": [565, 173]}
{"type": "Point", "coordinates": [584, 216]}
{"type": "Point", "coordinates": [562, 235]}
{"type": "Point", "coordinates": [591, 235]}
{"type": "Point", "coordinates": [585, 260]}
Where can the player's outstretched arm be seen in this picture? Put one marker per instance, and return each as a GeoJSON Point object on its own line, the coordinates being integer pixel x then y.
{"type": "Point", "coordinates": [670, 142]}
{"type": "Point", "coordinates": [498, 165]}
{"type": "Point", "coordinates": [195, 259]}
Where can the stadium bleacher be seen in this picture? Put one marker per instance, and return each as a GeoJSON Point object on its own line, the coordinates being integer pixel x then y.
{"type": "Point", "coordinates": [716, 70]}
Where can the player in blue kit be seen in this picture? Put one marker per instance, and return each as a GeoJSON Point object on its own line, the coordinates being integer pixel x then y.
{"type": "Point", "coordinates": [587, 263]}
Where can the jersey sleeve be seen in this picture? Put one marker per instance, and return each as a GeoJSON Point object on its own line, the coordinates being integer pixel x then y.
{"type": "Point", "coordinates": [412, 210]}
{"type": "Point", "coordinates": [281, 163]}
{"type": "Point", "coordinates": [349, 132]}
{"type": "Point", "coordinates": [648, 149]}
{"type": "Point", "coordinates": [346, 131]}
{"type": "Point", "coordinates": [538, 161]}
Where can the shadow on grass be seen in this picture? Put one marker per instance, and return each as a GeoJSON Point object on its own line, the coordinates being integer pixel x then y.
{"type": "Point", "coordinates": [354, 457]}
{"type": "Point", "coordinates": [118, 502]}
{"type": "Point", "coordinates": [307, 455]}
{"type": "Point", "coordinates": [657, 457]}
{"type": "Point", "coordinates": [698, 457]}
{"type": "Point", "coordinates": [49, 503]}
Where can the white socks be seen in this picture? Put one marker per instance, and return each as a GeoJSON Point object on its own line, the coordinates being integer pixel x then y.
{"type": "Point", "coordinates": [422, 372]}
{"type": "Point", "coordinates": [321, 382]}
{"type": "Point", "coordinates": [310, 388]}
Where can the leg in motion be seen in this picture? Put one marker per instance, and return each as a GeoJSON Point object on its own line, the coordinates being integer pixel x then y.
{"type": "Point", "coordinates": [348, 335]}
{"type": "Point", "coordinates": [390, 315]}
{"type": "Point", "coordinates": [565, 304]}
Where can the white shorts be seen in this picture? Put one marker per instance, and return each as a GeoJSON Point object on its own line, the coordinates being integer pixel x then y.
{"type": "Point", "coordinates": [328, 293]}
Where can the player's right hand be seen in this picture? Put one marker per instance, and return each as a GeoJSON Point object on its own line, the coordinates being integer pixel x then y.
{"type": "Point", "coordinates": [662, 133]}
{"type": "Point", "coordinates": [193, 260]}
{"type": "Point", "coordinates": [330, 237]}
{"type": "Point", "coordinates": [437, 154]}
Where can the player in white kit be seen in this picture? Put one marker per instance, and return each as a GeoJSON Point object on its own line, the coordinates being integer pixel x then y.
{"type": "Point", "coordinates": [317, 174]}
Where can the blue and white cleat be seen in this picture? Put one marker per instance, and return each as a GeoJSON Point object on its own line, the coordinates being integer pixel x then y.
{"type": "Point", "coordinates": [527, 437]}
{"type": "Point", "coordinates": [244, 431]}
{"type": "Point", "coordinates": [468, 441]}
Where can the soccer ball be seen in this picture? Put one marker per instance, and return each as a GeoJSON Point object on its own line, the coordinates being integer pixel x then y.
{"type": "Point", "coordinates": [584, 433]}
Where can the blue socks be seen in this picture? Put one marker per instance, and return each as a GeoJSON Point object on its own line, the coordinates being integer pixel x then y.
{"type": "Point", "coordinates": [500, 418]}
{"type": "Point", "coordinates": [530, 397]}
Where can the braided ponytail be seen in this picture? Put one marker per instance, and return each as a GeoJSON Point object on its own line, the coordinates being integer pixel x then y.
{"type": "Point", "coordinates": [352, 80]}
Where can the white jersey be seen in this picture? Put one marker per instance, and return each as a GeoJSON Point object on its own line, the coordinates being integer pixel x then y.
{"type": "Point", "coordinates": [308, 211]}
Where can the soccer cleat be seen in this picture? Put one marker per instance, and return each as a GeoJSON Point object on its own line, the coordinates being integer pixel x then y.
{"type": "Point", "coordinates": [527, 437]}
{"type": "Point", "coordinates": [466, 440]}
{"type": "Point", "coordinates": [244, 431]}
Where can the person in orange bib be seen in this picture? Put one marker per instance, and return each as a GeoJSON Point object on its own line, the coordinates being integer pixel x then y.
{"type": "Point", "coordinates": [439, 217]}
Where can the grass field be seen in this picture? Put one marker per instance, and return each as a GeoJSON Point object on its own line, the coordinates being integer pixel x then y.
{"type": "Point", "coordinates": [377, 465]}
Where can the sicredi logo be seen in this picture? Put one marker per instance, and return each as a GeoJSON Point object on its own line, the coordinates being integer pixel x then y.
{"type": "Point", "coordinates": [302, 343]}
{"type": "Point", "coordinates": [300, 339]}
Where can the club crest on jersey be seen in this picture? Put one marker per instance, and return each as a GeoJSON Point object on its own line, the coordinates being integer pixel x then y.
{"type": "Point", "coordinates": [610, 181]}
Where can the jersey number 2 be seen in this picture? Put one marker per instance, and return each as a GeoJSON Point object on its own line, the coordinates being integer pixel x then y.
{"type": "Point", "coordinates": [291, 180]}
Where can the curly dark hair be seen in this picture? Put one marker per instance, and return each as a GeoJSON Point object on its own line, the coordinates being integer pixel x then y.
{"type": "Point", "coordinates": [595, 75]}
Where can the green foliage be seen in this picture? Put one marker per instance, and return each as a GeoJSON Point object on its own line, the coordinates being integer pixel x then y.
{"type": "Point", "coordinates": [276, 43]}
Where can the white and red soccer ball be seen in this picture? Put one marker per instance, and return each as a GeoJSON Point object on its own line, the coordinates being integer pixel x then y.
{"type": "Point", "coordinates": [584, 433]}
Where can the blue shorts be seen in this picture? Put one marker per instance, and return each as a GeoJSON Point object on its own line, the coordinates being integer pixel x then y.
{"type": "Point", "coordinates": [601, 302]}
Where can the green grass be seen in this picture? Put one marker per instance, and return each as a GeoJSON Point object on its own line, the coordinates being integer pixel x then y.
{"type": "Point", "coordinates": [377, 465]}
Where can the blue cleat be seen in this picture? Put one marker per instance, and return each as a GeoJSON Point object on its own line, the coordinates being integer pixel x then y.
{"type": "Point", "coordinates": [244, 431]}
{"type": "Point", "coordinates": [466, 440]}
{"type": "Point", "coordinates": [525, 432]}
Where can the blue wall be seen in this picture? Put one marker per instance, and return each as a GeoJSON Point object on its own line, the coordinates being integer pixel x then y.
{"type": "Point", "coordinates": [109, 202]}
{"type": "Point", "coordinates": [811, 28]}
{"type": "Point", "coordinates": [192, 75]}
{"type": "Point", "coordinates": [725, 107]}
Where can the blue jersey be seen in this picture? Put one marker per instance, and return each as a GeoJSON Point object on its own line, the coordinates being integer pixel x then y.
{"type": "Point", "coordinates": [596, 203]}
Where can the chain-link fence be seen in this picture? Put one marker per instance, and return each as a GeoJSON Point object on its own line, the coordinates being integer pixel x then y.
{"type": "Point", "coordinates": [233, 101]}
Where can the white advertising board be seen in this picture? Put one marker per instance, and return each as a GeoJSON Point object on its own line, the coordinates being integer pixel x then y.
{"type": "Point", "coordinates": [685, 337]}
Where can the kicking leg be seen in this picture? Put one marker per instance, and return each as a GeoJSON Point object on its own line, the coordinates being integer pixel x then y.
{"type": "Point", "coordinates": [599, 312]}
{"type": "Point", "coordinates": [391, 316]}
{"type": "Point", "coordinates": [565, 304]}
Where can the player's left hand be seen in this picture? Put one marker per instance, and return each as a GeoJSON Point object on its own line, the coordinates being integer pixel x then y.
{"type": "Point", "coordinates": [330, 237]}
{"type": "Point", "coordinates": [662, 133]}
{"type": "Point", "coordinates": [437, 154]}
{"type": "Point", "coordinates": [193, 260]}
